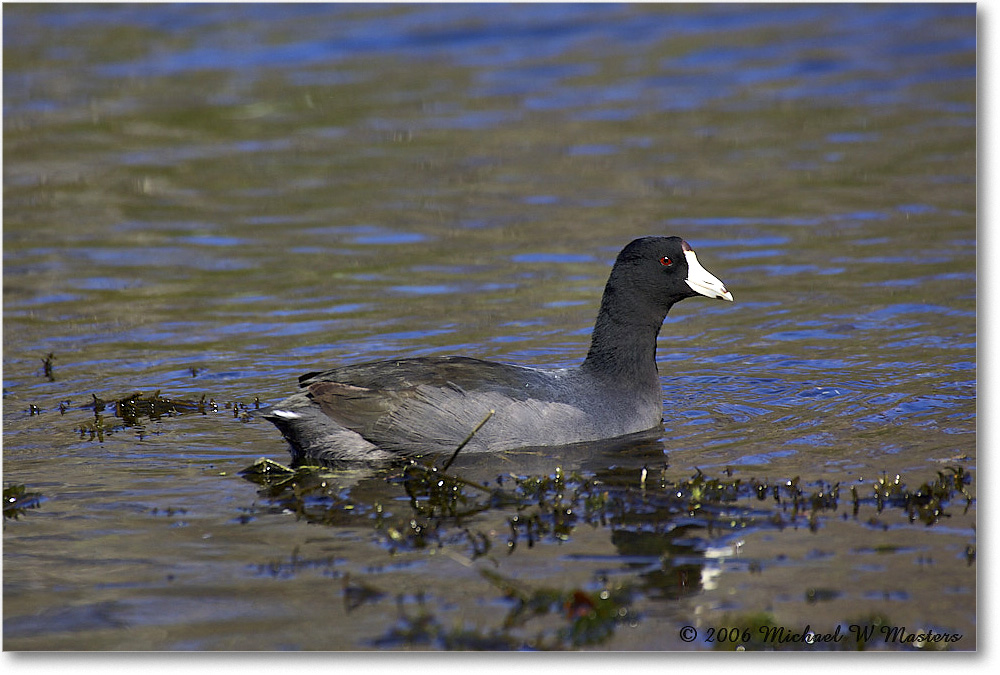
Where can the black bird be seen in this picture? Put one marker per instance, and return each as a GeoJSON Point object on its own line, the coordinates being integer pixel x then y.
{"type": "Point", "coordinates": [415, 406]}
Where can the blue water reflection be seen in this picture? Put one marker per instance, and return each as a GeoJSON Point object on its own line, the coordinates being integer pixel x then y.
{"type": "Point", "coordinates": [853, 56]}
{"type": "Point", "coordinates": [210, 200]}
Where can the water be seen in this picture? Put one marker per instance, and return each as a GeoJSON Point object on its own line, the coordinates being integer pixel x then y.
{"type": "Point", "coordinates": [211, 200]}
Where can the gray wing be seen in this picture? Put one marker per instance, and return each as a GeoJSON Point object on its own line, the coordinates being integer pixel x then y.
{"type": "Point", "coordinates": [431, 405]}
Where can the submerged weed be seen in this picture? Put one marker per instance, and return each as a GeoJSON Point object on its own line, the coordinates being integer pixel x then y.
{"type": "Point", "coordinates": [296, 563]}
{"type": "Point", "coordinates": [130, 409]}
{"type": "Point", "coordinates": [48, 367]}
{"type": "Point", "coordinates": [443, 506]}
{"type": "Point", "coordinates": [582, 617]}
{"type": "Point", "coordinates": [133, 410]}
{"type": "Point", "coordinates": [17, 500]}
{"type": "Point", "coordinates": [307, 491]}
{"type": "Point", "coordinates": [538, 619]}
{"type": "Point", "coordinates": [927, 502]}
{"type": "Point", "coordinates": [661, 525]}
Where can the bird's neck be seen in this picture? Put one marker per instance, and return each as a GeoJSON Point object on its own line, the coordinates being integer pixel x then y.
{"type": "Point", "coordinates": [623, 346]}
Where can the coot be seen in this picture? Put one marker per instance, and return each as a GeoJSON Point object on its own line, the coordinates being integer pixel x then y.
{"type": "Point", "coordinates": [415, 406]}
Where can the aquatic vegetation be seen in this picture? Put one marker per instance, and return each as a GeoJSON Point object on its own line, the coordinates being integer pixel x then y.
{"type": "Point", "coordinates": [589, 617]}
{"type": "Point", "coordinates": [539, 618]}
{"type": "Point", "coordinates": [307, 491]}
{"type": "Point", "coordinates": [17, 500]}
{"type": "Point", "coordinates": [927, 502]}
{"type": "Point", "coordinates": [660, 522]}
{"type": "Point", "coordinates": [130, 409]}
{"type": "Point", "coordinates": [550, 507]}
{"type": "Point", "coordinates": [48, 368]}
{"type": "Point", "coordinates": [135, 409]}
{"type": "Point", "coordinates": [295, 563]}
{"type": "Point", "coordinates": [650, 515]}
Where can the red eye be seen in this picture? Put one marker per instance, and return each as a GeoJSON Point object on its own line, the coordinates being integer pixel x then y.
{"type": "Point", "coordinates": [666, 261]}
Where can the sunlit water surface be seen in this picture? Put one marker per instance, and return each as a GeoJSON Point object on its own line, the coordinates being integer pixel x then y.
{"type": "Point", "coordinates": [211, 200]}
